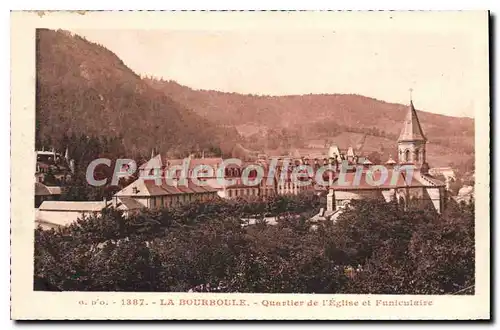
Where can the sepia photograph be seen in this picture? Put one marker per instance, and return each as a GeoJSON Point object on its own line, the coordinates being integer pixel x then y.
{"type": "Point", "coordinates": [336, 160]}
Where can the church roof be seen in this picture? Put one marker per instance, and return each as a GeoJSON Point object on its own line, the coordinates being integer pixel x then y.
{"type": "Point", "coordinates": [374, 180]}
{"type": "Point", "coordinates": [412, 131]}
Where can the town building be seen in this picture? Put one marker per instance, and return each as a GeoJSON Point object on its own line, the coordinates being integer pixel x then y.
{"type": "Point", "coordinates": [56, 214]}
{"type": "Point", "coordinates": [290, 179]}
{"type": "Point", "coordinates": [407, 181]}
{"type": "Point", "coordinates": [232, 185]}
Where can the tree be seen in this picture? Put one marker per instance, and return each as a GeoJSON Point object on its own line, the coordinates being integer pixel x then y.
{"type": "Point", "coordinates": [373, 247]}
{"type": "Point", "coordinates": [409, 252]}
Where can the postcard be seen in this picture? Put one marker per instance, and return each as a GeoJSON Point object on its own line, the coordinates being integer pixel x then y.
{"type": "Point", "coordinates": [219, 165]}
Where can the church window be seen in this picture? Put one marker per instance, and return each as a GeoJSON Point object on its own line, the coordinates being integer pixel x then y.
{"type": "Point", "coordinates": [407, 155]}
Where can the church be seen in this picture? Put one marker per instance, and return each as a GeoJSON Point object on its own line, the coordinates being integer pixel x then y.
{"type": "Point", "coordinates": [415, 187]}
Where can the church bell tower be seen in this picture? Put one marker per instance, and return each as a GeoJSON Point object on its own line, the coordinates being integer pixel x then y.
{"type": "Point", "coordinates": [412, 141]}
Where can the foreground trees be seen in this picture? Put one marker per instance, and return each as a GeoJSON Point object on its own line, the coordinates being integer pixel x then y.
{"type": "Point", "coordinates": [373, 247]}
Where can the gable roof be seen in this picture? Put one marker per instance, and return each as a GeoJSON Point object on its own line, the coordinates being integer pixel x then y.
{"type": "Point", "coordinates": [154, 162]}
{"type": "Point", "coordinates": [411, 131]}
{"type": "Point", "coordinates": [129, 203]}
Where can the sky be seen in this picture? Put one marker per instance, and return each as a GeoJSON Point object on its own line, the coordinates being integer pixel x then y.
{"type": "Point", "coordinates": [442, 66]}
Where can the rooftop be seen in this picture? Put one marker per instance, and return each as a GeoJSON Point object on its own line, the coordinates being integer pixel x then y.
{"type": "Point", "coordinates": [146, 188]}
{"type": "Point", "coordinates": [394, 179]}
{"type": "Point", "coordinates": [73, 206]}
{"type": "Point", "coordinates": [43, 190]}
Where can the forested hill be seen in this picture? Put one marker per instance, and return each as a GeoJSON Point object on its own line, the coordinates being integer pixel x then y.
{"type": "Point", "coordinates": [353, 112]}
{"type": "Point", "coordinates": [83, 88]}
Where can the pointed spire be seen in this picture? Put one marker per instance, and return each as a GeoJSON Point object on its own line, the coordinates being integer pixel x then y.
{"type": "Point", "coordinates": [152, 153]}
{"type": "Point", "coordinates": [412, 131]}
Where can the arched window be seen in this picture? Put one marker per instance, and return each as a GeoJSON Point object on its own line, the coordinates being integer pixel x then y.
{"type": "Point", "coordinates": [407, 155]}
{"type": "Point", "coordinates": [417, 155]}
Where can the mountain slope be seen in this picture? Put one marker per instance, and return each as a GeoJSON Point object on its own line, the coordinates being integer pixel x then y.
{"type": "Point", "coordinates": [321, 116]}
{"type": "Point", "coordinates": [347, 109]}
{"type": "Point", "coordinates": [83, 88]}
